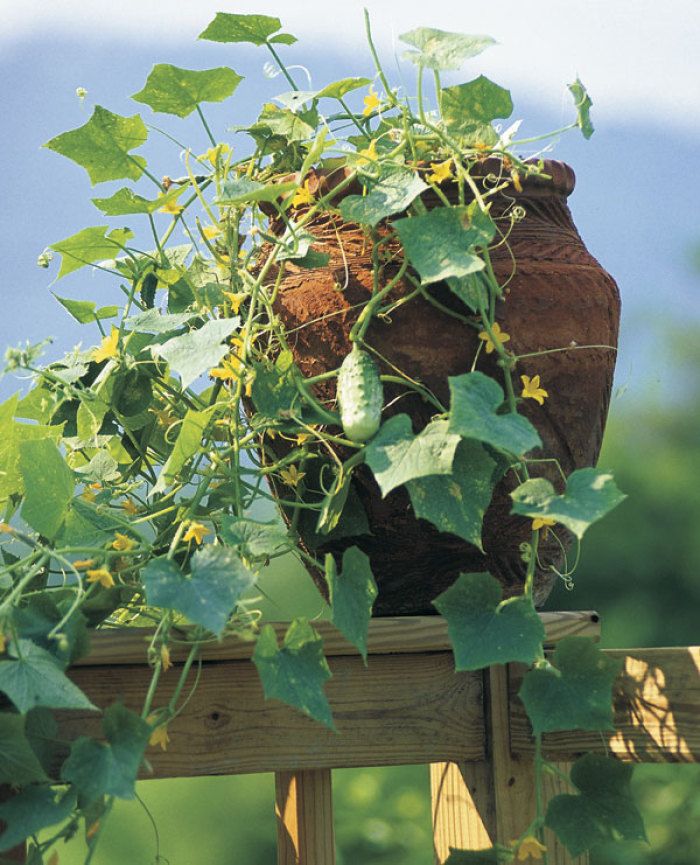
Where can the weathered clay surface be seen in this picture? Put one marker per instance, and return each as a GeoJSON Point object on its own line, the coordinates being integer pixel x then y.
{"type": "Point", "coordinates": [558, 297]}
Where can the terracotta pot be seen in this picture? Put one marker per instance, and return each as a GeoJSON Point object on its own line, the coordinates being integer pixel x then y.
{"type": "Point", "coordinates": [558, 297]}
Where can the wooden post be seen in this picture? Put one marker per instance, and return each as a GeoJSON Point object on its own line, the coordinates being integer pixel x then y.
{"type": "Point", "coordinates": [304, 811]}
{"type": "Point", "coordinates": [462, 807]}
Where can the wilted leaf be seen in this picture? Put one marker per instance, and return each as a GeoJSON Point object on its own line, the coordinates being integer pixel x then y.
{"type": "Point", "coordinates": [583, 108]}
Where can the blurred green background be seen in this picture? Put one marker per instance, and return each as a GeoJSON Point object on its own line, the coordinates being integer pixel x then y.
{"type": "Point", "coordinates": [640, 568]}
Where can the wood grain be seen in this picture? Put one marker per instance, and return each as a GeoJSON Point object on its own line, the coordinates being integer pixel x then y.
{"type": "Point", "coordinates": [400, 709]}
{"type": "Point", "coordinates": [463, 809]}
{"type": "Point", "coordinates": [403, 635]}
{"type": "Point", "coordinates": [304, 811]}
{"type": "Point", "coordinates": [656, 712]}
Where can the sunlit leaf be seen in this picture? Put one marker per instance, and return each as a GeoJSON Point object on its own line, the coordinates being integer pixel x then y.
{"type": "Point", "coordinates": [109, 768]}
{"type": "Point", "coordinates": [125, 201]}
{"type": "Point", "coordinates": [440, 49]}
{"type": "Point", "coordinates": [208, 595]}
{"type": "Point", "coordinates": [199, 350]}
{"type": "Point", "coordinates": [338, 89]}
{"type": "Point", "coordinates": [172, 90]}
{"type": "Point", "coordinates": [258, 29]}
{"type": "Point", "coordinates": [157, 322]}
{"type": "Point", "coordinates": [475, 401]}
{"type": "Point", "coordinates": [90, 245]}
{"type": "Point", "coordinates": [31, 677]}
{"type": "Point", "coordinates": [243, 189]}
{"type": "Point", "coordinates": [583, 108]}
{"type": "Point", "coordinates": [483, 628]}
{"type": "Point", "coordinates": [396, 455]}
{"type": "Point", "coordinates": [86, 311]}
{"type": "Point", "coordinates": [574, 692]}
{"type": "Point", "coordinates": [457, 503]}
{"type": "Point", "coordinates": [604, 809]}
{"type": "Point", "coordinates": [352, 593]}
{"type": "Point", "coordinates": [391, 193]}
{"type": "Point", "coordinates": [590, 494]}
{"type": "Point", "coordinates": [442, 242]}
{"type": "Point", "coordinates": [48, 485]}
{"type": "Point", "coordinates": [102, 146]}
{"type": "Point", "coordinates": [18, 762]}
{"type": "Point", "coordinates": [468, 109]}
{"type": "Point", "coordinates": [295, 672]}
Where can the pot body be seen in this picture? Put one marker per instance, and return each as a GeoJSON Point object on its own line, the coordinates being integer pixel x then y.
{"type": "Point", "coordinates": [557, 297]}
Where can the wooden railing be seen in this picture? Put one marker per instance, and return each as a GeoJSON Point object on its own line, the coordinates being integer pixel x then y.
{"type": "Point", "coordinates": [407, 706]}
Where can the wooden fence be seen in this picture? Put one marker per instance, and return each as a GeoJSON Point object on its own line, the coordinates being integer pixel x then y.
{"type": "Point", "coordinates": [407, 706]}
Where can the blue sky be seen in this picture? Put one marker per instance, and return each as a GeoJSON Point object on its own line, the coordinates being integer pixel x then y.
{"type": "Point", "coordinates": [636, 198]}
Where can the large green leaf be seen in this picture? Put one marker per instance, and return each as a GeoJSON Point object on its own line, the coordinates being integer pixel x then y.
{"type": "Point", "coordinates": [109, 768]}
{"type": "Point", "coordinates": [604, 810]}
{"type": "Point", "coordinates": [243, 189]}
{"type": "Point", "coordinates": [86, 311]}
{"type": "Point", "coordinates": [258, 29]}
{"type": "Point", "coordinates": [102, 146]}
{"type": "Point", "coordinates": [208, 595]}
{"type": "Point", "coordinates": [290, 126]}
{"type": "Point", "coordinates": [199, 350]}
{"type": "Point", "coordinates": [90, 245]}
{"type": "Point", "coordinates": [457, 503]}
{"type": "Point", "coordinates": [484, 629]}
{"type": "Point", "coordinates": [32, 677]}
{"type": "Point", "coordinates": [352, 593]}
{"type": "Point", "coordinates": [172, 90]}
{"type": "Point", "coordinates": [475, 401]}
{"type": "Point", "coordinates": [392, 192]}
{"type": "Point", "coordinates": [125, 201]}
{"type": "Point", "coordinates": [396, 455]}
{"type": "Point", "coordinates": [31, 810]}
{"type": "Point", "coordinates": [255, 539]}
{"type": "Point", "coordinates": [440, 49]}
{"type": "Point", "coordinates": [442, 242]}
{"type": "Point", "coordinates": [468, 108]}
{"type": "Point", "coordinates": [274, 390]}
{"type": "Point", "coordinates": [48, 485]}
{"type": "Point", "coordinates": [583, 108]}
{"type": "Point", "coordinates": [295, 673]}
{"type": "Point", "coordinates": [574, 692]}
{"type": "Point", "coordinates": [590, 494]}
{"type": "Point", "coordinates": [186, 445]}
{"type": "Point", "coordinates": [18, 762]}
{"type": "Point", "coordinates": [12, 434]}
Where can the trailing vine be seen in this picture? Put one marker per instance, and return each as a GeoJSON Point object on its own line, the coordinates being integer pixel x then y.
{"type": "Point", "coordinates": [133, 470]}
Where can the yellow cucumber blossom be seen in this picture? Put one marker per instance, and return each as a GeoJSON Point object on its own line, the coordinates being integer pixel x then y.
{"type": "Point", "coordinates": [235, 298]}
{"type": "Point", "coordinates": [107, 348]}
{"type": "Point", "coordinates": [211, 231]}
{"type": "Point", "coordinates": [543, 524]}
{"type": "Point", "coordinates": [292, 476]}
{"type": "Point", "coordinates": [130, 507]}
{"type": "Point", "coordinates": [123, 543]}
{"type": "Point", "coordinates": [498, 334]}
{"type": "Point", "coordinates": [303, 195]}
{"type": "Point", "coordinates": [530, 848]}
{"type": "Point", "coordinates": [371, 102]}
{"type": "Point", "coordinates": [81, 564]}
{"type": "Point", "coordinates": [165, 661]}
{"type": "Point", "coordinates": [101, 576]}
{"type": "Point", "coordinates": [215, 153]}
{"type": "Point", "coordinates": [369, 154]}
{"type": "Point", "coordinates": [532, 389]}
{"type": "Point", "coordinates": [441, 171]}
{"type": "Point", "coordinates": [171, 207]}
{"type": "Point", "coordinates": [196, 532]}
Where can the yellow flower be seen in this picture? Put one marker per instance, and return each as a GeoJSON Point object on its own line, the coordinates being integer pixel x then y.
{"type": "Point", "coordinates": [130, 507]}
{"type": "Point", "coordinates": [369, 154]}
{"type": "Point", "coordinates": [532, 389]}
{"type": "Point", "coordinates": [498, 334]}
{"type": "Point", "coordinates": [215, 152]}
{"type": "Point", "coordinates": [81, 564]}
{"type": "Point", "coordinates": [542, 523]}
{"type": "Point", "coordinates": [160, 737]}
{"type": "Point", "coordinates": [101, 576]}
{"type": "Point", "coordinates": [303, 195]}
{"type": "Point", "coordinates": [196, 532]}
{"type": "Point", "coordinates": [302, 438]}
{"type": "Point", "coordinates": [440, 171]}
{"type": "Point", "coordinates": [235, 298]}
{"type": "Point", "coordinates": [229, 369]}
{"type": "Point", "coordinates": [165, 661]}
{"type": "Point", "coordinates": [371, 102]}
{"type": "Point", "coordinates": [292, 476]}
{"type": "Point", "coordinates": [515, 177]}
{"type": "Point", "coordinates": [530, 848]}
{"type": "Point", "coordinates": [108, 347]}
{"type": "Point", "coordinates": [171, 207]}
{"type": "Point", "coordinates": [123, 543]}
{"type": "Point", "coordinates": [164, 417]}
{"type": "Point", "coordinates": [211, 231]}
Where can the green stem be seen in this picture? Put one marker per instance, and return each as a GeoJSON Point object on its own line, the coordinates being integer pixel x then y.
{"type": "Point", "coordinates": [377, 65]}
{"type": "Point", "coordinates": [282, 67]}
{"type": "Point", "coordinates": [206, 126]}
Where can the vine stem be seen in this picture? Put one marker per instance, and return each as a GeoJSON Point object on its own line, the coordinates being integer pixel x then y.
{"type": "Point", "coordinates": [206, 125]}
{"type": "Point", "coordinates": [283, 68]}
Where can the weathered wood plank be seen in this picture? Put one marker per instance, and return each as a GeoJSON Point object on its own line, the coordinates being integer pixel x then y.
{"type": "Point", "coordinates": [407, 634]}
{"type": "Point", "coordinates": [400, 709]}
{"type": "Point", "coordinates": [304, 811]}
{"type": "Point", "coordinates": [463, 808]}
{"type": "Point", "coordinates": [657, 712]}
